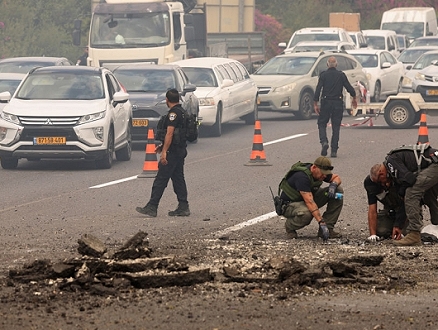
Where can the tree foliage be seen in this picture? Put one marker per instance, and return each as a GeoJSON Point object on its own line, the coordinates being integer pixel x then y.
{"type": "Point", "coordinates": [41, 27]}
{"type": "Point", "coordinates": [274, 32]}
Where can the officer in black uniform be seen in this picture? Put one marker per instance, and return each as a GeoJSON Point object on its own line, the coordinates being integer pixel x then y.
{"type": "Point", "coordinates": [331, 82]}
{"type": "Point", "coordinates": [391, 220]}
{"type": "Point", "coordinates": [171, 165]}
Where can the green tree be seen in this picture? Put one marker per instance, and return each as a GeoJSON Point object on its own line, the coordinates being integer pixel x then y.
{"type": "Point", "coordinates": [41, 27]}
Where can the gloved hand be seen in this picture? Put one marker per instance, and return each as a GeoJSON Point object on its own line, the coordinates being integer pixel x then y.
{"type": "Point", "coordinates": [324, 230]}
{"type": "Point", "coordinates": [332, 190]}
{"type": "Point", "coordinates": [373, 238]}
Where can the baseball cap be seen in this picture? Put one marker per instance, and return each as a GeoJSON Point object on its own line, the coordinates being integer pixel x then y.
{"type": "Point", "coordinates": [324, 164]}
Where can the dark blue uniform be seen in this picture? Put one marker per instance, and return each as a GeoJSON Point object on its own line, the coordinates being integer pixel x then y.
{"type": "Point", "coordinates": [331, 82]}
{"type": "Point", "coordinates": [174, 169]}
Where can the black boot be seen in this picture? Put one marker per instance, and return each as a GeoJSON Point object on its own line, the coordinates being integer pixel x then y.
{"type": "Point", "coordinates": [324, 148]}
{"type": "Point", "coordinates": [181, 211]}
{"type": "Point", "coordinates": [149, 210]}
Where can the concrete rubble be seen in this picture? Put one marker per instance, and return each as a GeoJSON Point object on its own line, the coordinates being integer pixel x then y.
{"type": "Point", "coordinates": [133, 265]}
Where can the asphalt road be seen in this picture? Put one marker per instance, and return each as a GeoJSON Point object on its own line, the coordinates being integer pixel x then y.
{"type": "Point", "coordinates": [50, 202]}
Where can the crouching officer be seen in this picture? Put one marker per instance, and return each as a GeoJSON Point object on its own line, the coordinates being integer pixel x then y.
{"type": "Point", "coordinates": [302, 195]}
{"type": "Point", "coordinates": [391, 221]}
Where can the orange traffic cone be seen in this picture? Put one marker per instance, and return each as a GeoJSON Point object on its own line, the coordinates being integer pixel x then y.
{"type": "Point", "coordinates": [423, 134]}
{"type": "Point", "coordinates": [150, 166]}
{"type": "Point", "coordinates": [258, 156]}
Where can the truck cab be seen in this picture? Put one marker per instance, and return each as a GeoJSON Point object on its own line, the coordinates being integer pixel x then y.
{"type": "Point", "coordinates": [143, 31]}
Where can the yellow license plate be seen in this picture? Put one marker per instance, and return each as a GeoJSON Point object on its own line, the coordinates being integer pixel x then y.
{"type": "Point", "coordinates": [140, 122]}
{"type": "Point", "coordinates": [432, 92]}
{"type": "Point", "coordinates": [50, 140]}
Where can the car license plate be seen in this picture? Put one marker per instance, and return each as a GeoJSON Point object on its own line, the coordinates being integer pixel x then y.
{"type": "Point", "coordinates": [140, 122]}
{"type": "Point", "coordinates": [49, 140]}
{"type": "Point", "coordinates": [432, 92]}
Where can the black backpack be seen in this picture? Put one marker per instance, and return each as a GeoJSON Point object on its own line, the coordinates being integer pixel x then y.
{"type": "Point", "coordinates": [188, 131]}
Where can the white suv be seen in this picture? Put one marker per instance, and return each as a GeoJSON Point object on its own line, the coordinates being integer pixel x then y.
{"type": "Point", "coordinates": [69, 112]}
{"type": "Point", "coordinates": [317, 34]}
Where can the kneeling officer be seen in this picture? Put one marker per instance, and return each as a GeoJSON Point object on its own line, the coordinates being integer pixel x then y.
{"type": "Point", "coordinates": [302, 196]}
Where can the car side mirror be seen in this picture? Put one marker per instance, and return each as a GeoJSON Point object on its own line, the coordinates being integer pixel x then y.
{"type": "Point", "coordinates": [227, 83]}
{"type": "Point", "coordinates": [409, 67]}
{"type": "Point", "coordinates": [5, 97]}
{"type": "Point", "coordinates": [282, 45]}
{"type": "Point", "coordinates": [385, 65]}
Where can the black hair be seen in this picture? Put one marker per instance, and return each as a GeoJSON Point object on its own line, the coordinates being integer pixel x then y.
{"type": "Point", "coordinates": [172, 95]}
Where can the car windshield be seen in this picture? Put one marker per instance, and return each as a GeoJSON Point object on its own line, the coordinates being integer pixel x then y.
{"type": "Point", "coordinates": [411, 55]}
{"type": "Point", "coordinates": [424, 42]}
{"type": "Point", "coordinates": [201, 77]}
{"type": "Point", "coordinates": [314, 37]}
{"type": "Point", "coordinates": [367, 60]}
{"type": "Point", "coordinates": [411, 29]}
{"type": "Point", "coordinates": [375, 42]}
{"type": "Point", "coordinates": [314, 48]}
{"type": "Point", "coordinates": [287, 66]}
{"type": "Point", "coordinates": [425, 60]}
{"type": "Point", "coordinates": [21, 67]}
{"type": "Point", "coordinates": [61, 86]}
{"type": "Point", "coordinates": [137, 80]}
{"type": "Point", "coordinates": [9, 85]}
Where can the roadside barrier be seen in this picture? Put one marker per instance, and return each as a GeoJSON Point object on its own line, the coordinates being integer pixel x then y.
{"type": "Point", "coordinates": [258, 156]}
{"type": "Point", "coordinates": [150, 166]}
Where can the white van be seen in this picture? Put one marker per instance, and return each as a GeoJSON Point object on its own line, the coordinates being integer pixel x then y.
{"type": "Point", "coordinates": [413, 21]}
{"type": "Point", "coordinates": [382, 39]}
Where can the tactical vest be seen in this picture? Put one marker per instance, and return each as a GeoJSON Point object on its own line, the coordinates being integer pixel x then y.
{"type": "Point", "coordinates": [415, 149]}
{"type": "Point", "coordinates": [292, 193]}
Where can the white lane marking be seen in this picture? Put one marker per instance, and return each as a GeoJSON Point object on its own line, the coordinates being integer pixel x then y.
{"type": "Point", "coordinates": [113, 182]}
{"type": "Point", "coordinates": [135, 177]}
{"type": "Point", "coordinates": [251, 222]}
{"type": "Point", "coordinates": [284, 139]}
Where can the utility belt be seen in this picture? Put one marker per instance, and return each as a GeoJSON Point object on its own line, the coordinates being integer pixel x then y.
{"type": "Point", "coordinates": [333, 98]}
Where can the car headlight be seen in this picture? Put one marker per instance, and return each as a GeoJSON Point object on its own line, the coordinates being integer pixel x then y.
{"type": "Point", "coordinates": [420, 76]}
{"type": "Point", "coordinates": [407, 81]}
{"type": "Point", "coordinates": [10, 118]}
{"type": "Point", "coordinates": [92, 117]}
{"type": "Point", "coordinates": [206, 101]}
{"type": "Point", "coordinates": [285, 88]}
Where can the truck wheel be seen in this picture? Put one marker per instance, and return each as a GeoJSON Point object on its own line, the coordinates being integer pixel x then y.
{"type": "Point", "coordinates": [399, 114]}
{"type": "Point", "coordinates": [9, 163]}
{"type": "Point", "coordinates": [107, 161]}
{"type": "Point", "coordinates": [305, 110]}
{"type": "Point", "coordinates": [125, 153]}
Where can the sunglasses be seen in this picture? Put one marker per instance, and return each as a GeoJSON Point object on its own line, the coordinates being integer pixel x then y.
{"type": "Point", "coordinates": [325, 168]}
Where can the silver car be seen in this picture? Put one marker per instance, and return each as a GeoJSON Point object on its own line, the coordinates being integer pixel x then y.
{"type": "Point", "coordinates": [287, 82]}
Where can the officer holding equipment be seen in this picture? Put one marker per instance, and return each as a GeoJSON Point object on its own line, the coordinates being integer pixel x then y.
{"type": "Point", "coordinates": [302, 196]}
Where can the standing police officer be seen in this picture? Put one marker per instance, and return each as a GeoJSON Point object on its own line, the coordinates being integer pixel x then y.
{"type": "Point", "coordinates": [331, 82]}
{"type": "Point", "coordinates": [171, 166]}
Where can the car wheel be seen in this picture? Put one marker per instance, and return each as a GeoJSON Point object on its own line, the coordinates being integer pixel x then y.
{"type": "Point", "coordinates": [107, 161]}
{"type": "Point", "coordinates": [399, 114]}
{"type": "Point", "coordinates": [377, 90]}
{"type": "Point", "coordinates": [251, 118]}
{"type": "Point", "coordinates": [305, 110]}
{"type": "Point", "coordinates": [216, 129]}
{"type": "Point", "coordinates": [9, 163]}
{"type": "Point", "coordinates": [400, 86]}
{"type": "Point", "coordinates": [125, 153]}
